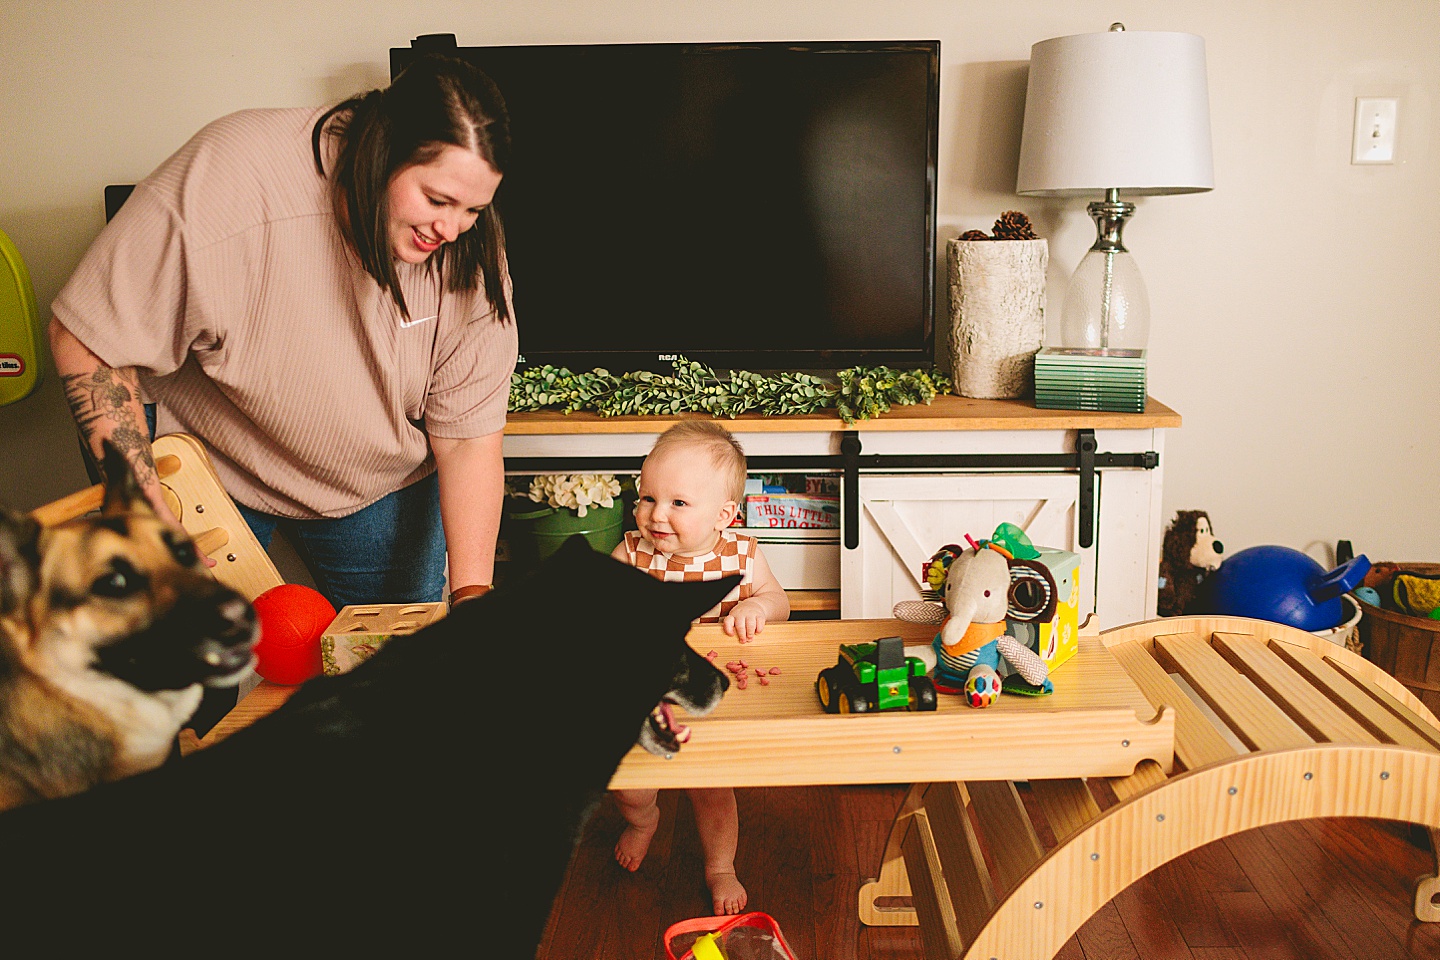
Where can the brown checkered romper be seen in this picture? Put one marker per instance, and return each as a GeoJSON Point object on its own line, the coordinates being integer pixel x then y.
{"type": "Point", "coordinates": [735, 553]}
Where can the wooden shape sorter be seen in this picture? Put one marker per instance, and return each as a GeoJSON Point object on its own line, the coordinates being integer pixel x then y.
{"type": "Point", "coordinates": [359, 631]}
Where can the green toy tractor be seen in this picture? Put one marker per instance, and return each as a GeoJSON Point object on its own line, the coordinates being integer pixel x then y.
{"type": "Point", "coordinates": [870, 677]}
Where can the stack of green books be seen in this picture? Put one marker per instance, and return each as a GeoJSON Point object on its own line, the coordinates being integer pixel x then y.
{"type": "Point", "coordinates": [1078, 378]}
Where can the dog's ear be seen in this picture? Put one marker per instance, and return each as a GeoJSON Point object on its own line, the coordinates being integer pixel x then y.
{"type": "Point", "coordinates": [586, 577]}
{"type": "Point", "coordinates": [19, 559]}
{"type": "Point", "coordinates": [690, 600]}
{"type": "Point", "coordinates": [122, 490]}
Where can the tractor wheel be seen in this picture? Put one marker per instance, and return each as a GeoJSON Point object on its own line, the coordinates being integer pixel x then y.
{"type": "Point", "coordinates": [826, 693]}
{"type": "Point", "coordinates": [922, 694]}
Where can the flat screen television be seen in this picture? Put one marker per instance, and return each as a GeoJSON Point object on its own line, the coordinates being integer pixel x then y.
{"type": "Point", "coordinates": [759, 206]}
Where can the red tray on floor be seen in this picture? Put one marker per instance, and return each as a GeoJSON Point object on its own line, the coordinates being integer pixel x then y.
{"type": "Point", "coordinates": [747, 936]}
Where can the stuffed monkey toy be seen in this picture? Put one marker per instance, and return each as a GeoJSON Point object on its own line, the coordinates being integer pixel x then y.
{"type": "Point", "coordinates": [1189, 554]}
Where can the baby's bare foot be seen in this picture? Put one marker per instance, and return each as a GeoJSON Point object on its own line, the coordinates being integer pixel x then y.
{"type": "Point", "coordinates": [728, 895]}
{"type": "Point", "coordinates": [634, 840]}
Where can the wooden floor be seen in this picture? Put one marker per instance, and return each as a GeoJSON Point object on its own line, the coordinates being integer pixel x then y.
{"type": "Point", "coordinates": [1317, 890]}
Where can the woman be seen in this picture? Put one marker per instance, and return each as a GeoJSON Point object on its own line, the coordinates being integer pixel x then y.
{"type": "Point", "coordinates": [321, 297]}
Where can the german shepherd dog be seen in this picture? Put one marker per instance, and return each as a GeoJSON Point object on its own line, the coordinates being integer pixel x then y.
{"type": "Point", "coordinates": [110, 627]}
{"type": "Point", "coordinates": [424, 804]}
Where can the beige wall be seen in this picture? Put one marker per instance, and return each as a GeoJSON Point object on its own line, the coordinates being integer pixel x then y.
{"type": "Point", "coordinates": [1296, 308]}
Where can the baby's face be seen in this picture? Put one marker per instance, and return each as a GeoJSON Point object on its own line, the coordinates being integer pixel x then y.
{"type": "Point", "coordinates": [683, 504]}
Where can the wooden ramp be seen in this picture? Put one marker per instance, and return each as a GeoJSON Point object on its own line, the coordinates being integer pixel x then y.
{"type": "Point", "coordinates": [1283, 726]}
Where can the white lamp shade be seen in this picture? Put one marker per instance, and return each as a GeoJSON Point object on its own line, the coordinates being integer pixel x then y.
{"type": "Point", "coordinates": [1120, 110]}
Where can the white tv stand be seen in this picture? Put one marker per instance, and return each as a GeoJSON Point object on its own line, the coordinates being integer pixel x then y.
{"type": "Point", "coordinates": [920, 477]}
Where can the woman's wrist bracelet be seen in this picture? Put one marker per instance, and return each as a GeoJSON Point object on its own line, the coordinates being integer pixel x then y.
{"type": "Point", "coordinates": [469, 592]}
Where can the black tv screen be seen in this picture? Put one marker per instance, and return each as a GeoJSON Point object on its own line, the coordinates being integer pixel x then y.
{"type": "Point", "coordinates": [760, 206]}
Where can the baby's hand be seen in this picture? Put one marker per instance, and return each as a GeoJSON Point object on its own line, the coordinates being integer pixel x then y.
{"type": "Point", "coordinates": [745, 620]}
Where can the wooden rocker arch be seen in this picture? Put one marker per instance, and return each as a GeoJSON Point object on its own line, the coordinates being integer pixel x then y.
{"type": "Point", "coordinates": [1282, 726]}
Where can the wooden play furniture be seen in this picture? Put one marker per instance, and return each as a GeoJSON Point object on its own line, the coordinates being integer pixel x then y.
{"type": "Point", "coordinates": [1097, 723]}
{"type": "Point", "coordinates": [195, 496]}
{"type": "Point", "coordinates": [1294, 727]}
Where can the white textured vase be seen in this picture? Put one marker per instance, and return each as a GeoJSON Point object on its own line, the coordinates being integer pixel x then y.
{"type": "Point", "coordinates": [997, 315]}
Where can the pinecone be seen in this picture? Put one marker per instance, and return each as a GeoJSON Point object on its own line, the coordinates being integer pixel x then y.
{"type": "Point", "coordinates": [1014, 225]}
{"type": "Point", "coordinates": [974, 235]}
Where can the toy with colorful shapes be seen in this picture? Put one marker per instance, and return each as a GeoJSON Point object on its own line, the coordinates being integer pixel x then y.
{"type": "Point", "coordinates": [982, 589]}
{"type": "Point", "coordinates": [1056, 638]}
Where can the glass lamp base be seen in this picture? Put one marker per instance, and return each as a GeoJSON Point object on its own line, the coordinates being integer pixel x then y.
{"type": "Point", "coordinates": [1107, 305]}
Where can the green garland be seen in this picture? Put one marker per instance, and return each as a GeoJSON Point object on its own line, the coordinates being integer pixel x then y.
{"type": "Point", "coordinates": [858, 393]}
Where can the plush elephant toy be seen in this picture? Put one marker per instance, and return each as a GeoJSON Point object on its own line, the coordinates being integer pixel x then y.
{"type": "Point", "coordinates": [981, 588]}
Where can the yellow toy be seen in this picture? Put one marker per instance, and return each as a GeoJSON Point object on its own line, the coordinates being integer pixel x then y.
{"type": "Point", "coordinates": [1058, 638]}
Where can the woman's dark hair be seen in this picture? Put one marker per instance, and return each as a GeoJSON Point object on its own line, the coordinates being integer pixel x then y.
{"type": "Point", "coordinates": [436, 101]}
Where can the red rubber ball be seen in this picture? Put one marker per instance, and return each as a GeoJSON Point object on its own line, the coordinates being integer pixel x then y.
{"type": "Point", "coordinates": [292, 618]}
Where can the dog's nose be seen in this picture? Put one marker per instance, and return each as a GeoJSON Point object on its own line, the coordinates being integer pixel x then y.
{"type": "Point", "coordinates": [1219, 547]}
{"type": "Point", "coordinates": [240, 618]}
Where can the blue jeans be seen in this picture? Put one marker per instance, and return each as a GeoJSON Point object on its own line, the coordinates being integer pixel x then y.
{"type": "Point", "coordinates": [392, 551]}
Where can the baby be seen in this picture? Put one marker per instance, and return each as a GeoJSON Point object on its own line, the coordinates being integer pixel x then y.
{"type": "Point", "coordinates": [690, 489]}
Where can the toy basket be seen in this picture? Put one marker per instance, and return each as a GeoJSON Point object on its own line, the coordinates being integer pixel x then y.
{"type": "Point", "coordinates": [747, 936]}
{"type": "Point", "coordinates": [1347, 634]}
{"type": "Point", "coordinates": [1406, 647]}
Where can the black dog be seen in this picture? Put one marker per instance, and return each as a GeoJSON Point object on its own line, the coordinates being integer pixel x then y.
{"type": "Point", "coordinates": [425, 804]}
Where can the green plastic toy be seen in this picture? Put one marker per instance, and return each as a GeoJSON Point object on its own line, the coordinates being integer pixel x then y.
{"type": "Point", "coordinates": [1013, 539]}
{"type": "Point", "coordinates": [870, 677]}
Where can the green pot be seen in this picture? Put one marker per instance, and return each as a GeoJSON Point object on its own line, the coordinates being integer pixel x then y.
{"type": "Point", "coordinates": [545, 528]}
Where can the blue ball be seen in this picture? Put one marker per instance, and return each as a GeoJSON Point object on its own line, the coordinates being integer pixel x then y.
{"type": "Point", "coordinates": [1274, 583]}
{"type": "Point", "coordinates": [1369, 594]}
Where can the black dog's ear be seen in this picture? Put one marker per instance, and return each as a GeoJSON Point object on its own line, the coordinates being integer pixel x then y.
{"type": "Point", "coordinates": [19, 559]}
{"type": "Point", "coordinates": [582, 575]}
{"type": "Point", "coordinates": [574, 547]}
{"type": "Point", "coordinates": [691, 600]}
{"type": "Point", "coordinates": [122, 489]}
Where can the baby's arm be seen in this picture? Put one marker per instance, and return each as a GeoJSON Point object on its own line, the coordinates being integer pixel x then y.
{"type": "Point", "coordinates": [766, 605]}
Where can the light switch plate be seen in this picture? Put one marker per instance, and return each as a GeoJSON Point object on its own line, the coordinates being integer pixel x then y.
{"type": "Point", "coordinates": [1375, 120]}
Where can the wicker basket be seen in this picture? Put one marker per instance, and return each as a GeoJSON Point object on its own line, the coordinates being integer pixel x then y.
{"type": "Point", "coordinates": [1347, 633]}
{"type": "Point", "coordinates": [1406, 647]}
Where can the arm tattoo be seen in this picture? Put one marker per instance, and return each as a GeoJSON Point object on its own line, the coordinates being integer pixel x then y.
{"type": "Point", "coordinates": [107, 395]}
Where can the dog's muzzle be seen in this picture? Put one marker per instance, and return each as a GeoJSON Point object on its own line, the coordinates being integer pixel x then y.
{"type": "Point", "coordinates": [697, 686]}
{"type": "Point", "coordinates": [666, 733]}
{"type": "Point", "coordinates": [205, 638]}
{"type": "Point", "coordinates": [231, 653]}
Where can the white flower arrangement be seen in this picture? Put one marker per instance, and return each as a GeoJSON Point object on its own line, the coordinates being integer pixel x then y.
{"type": "Point", "coordinates": [575, 491]}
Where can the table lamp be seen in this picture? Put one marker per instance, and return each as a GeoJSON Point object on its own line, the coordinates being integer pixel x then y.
{"type": "Point", "coordinates": [1116, 112]}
